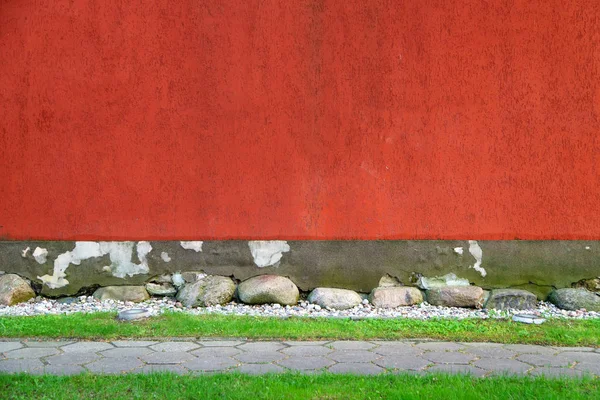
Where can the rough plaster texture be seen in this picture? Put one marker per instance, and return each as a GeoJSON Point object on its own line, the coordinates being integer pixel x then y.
{"type": "Point", "coordinates": [311, 119]}
{"type": "Point", "coordinates": [356, 265]}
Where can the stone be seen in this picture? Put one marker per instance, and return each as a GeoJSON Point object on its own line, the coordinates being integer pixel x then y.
{"type": "Point", "coordinates": [503, 299]}
{"type": "Point", "coordinates": [208, 291]}
{"type": "Point", "coordinates": [456, 296]}
{"type": "Point", "coordinates": [392, 297]}
{"type": "Point", "coordinates": [593, 285]}
{"type": "Point", "coordinates": [575, 299]}
{"type": "Point", "coordinates": [161, 289]}
{"type": "Point", "coordinates": [268, 289]}
{"type": "Point", "coordinates": [389, 281]}
{"type": "Point", "coordinates": [339, 299]}
{"type": "Point", "coordinates": [14, 289]}
{"type": "Point", "coordinates": [134, 294]}
{"type": "Point", "coordinates": [441, 281]}
{"type": "Point", "coordinates": [192, 276]}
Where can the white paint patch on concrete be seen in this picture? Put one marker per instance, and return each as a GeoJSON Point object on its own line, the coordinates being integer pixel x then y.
{"type": "Point", "coordinates": [24, 252]}
{"type": "Point", "coordinates": [120, 254]}
{"type": "Point", "coordinates": [267, 252]}
{"type": "Point", "coordinates": [587, 247]}
{"type": "Point", "coordinates": [459, 250]}
{"type": "Point", "coordinates": [196, 246]}
{"type": "Point", "coordinates": [165, 256]}
{"type": "Point", "coordinates": [477, 252]}
{"type": "Point", "coordinates": [40, 255]}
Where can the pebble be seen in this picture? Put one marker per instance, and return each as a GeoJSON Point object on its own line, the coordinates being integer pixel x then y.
{"type": "Point", "coordinates": [157, 306]}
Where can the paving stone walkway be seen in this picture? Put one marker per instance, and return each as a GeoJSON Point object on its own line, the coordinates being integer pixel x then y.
{"type": "Point", "coordinates": [360, 357]}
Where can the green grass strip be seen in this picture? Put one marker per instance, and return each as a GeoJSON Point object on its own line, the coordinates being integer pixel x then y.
{"type": "Point", "coordinates": [293, 386]}
{"type": "Point", "coordinates": [104, 326]}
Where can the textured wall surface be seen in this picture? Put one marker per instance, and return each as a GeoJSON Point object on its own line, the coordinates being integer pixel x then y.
{"type": "Point", "coordinates": [149, 120]}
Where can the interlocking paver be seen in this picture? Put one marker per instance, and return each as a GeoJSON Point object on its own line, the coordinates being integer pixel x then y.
{"type": "Point", "coordinates": [307, 343]}
{"type": "Point", "coordinates": [582, 357]}
{"type": "Point", "coordinates": [33, 352]}
{"type": "Point", "coordinates": [556, 372]}
{"type": "Point", "coordinates": [440, 346]}
{"type": "Point", "coordinates": [86, 347]}
{"type": "Point", "coordinates": [20, 365]}
{"type": "Point", "coordinates": [458, 369]}
{"type": "Point", "coordinates": [72, 358]}
{"type": "Point", "coordinates": [216, 352]}
{"type": "Point", "coordinates": [589, 367]}
{"type": "Point", "coordinates": [220, 343]}
{"type": "Point", "coordinates": [126, 352]}
{"type": "Point", "coordinates": [531, 349]}
{"type": "Point", "coordinates": [354, 345]}
{"type": "Point", "coordinates": [577, 349]}
{"type": "Point", "coordinates": [8, 346]}
{"type": "Point", "coordinates": [356, 368]}
{"type": "Point", "coordinates": [133, 343]}
{"type": "Point", "coordinates": [261, 346]}
{"type": "Point", "coordinates": [359, 356]}
{"type": "Point", "coordinates": [503, 366]}
{"type": "Point", "coordinates": [167, 357]}
{"type": "Point", "coordinates": [448, 357]}
{"type": "Point", "coordinates": [210, 364]}
{"type": "Point", "coordinates": [114, 365]}
{"type": "Point", "coordinates": [259, 356]}
{"type": "Point", "coordinates": [307, 351]}
{"type": "Point", "coordinates": [490, 352]}
{"type": "Point", "coordinates": [306, 363]}
{"type": "Point", "coordinates": [543, 360]}
{"type": "Point", "coordinates": [175, 346]}
{"type": "Point", "coordinates": [402, 362]}
{"type": "Point", "coordinates": [59, 343]}
{"type": "Point", "coordinates": [398, 348]}
{"type": "Point", "coordinates": [256, 369]}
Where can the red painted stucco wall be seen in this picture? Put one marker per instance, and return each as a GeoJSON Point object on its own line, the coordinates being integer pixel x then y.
{"type": "Point", "coordinates": [300, 119]}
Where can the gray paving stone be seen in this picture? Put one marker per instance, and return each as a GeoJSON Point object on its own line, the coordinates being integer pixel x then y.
{"type": "Point", "coordinates": [503, 366]}
{"type": "Point", "coordinates": [33, 352]}
{"type": "Point", "coordinates": [307, 351]}
{"type": "Point", "coordinates": [398, 348]}
{"type": "Point", "coordinates": [575, 349]}
{"type": "Point", "coordinates": [402, 362]}
{"type": "Point", "coordinates": [126, 352]}
{"type": "Point", "coordinates": [58, 343]}
{"type": "Point", "coordinates": [259, 356]}
{"type": "Point", "coordinates": [543, 360]}
{"type": "Point", "coordinates": [211, 364]}
{"type": "Point", "coordinates": [352, 345]}
{"type": "Point", "coordinates": [261, 346]}
{"type": "Point", "coordinates": [440, 346]}
{"type": "Point", "coordinates": [20, 365]}
{"type": "Point", "coordinates": [531, 349]}
{"type": "Point", "coordinates": [8, 346]}
{"type": "Point", "coordinates": [72, 358]}
{"type": "Point", "coordinates": [259, 369]}
{"type": "Point", "coordinates": [305, 363]}
{"type": "Point", "coordinates": [150, 368]}
{"type": "Point", "coordinates": [86, 347]}
{"type": "Point", "coordinates": [216, 352]}
{"type": "Point", "coordinates": [356, 356]}
{"type": "Point", "coordinates": [589, 367]}
{"type": "Point", "coordinates": [482, 344]}
{"type": "Point", "coordinates": [490, 352]}
{"type": "Point", "coordinates": [220, 343]}
{"type": "Point", "coordinates": [307, 343]}
{"type": "Point", "coordinates": [448, 357]}
{"type": "Point", "coordinates": [62, 370]}
{"type": "Point", "coordinates": [582, 357]}
{"type": "Point", "coordinates": [457, 369]}
{"type": "Point", "coordinates": [356, 368]}
{"type": "Point", "coordinates": [556, 372]}
{"type": "Point", "coordinates": [133, 343]}
{"type": "Point", "coordinates": [175, 346]}
{"type": "Point", "coordinates": [167, 357]}
{"type": "Point", "coordinates": [114, 365]}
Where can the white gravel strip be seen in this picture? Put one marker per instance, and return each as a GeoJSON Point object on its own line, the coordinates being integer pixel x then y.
{"type": "Point", "coordinates": [83, 304]}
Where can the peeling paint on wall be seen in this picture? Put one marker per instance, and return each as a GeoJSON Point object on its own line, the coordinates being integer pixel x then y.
{"type": "Point", "coordinates": [120, 254]}
{"type": "Point", "coordinates": [40, 255]}
{"type": "Point", "coordinates": [267, 252]}
{"type": "Point", "coordinates": [196, 246]}
{"type": "Point", "coordinates": [458, 250]}
{"type": "Point", "coordinates": [24, 252]}
{"type": "Point", "coordinates": [477, 252]}
{"type": "Point", "coordinates": [165, 256]}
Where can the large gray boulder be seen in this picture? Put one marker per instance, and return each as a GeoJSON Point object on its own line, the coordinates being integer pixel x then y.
{"type": "Point", "coordinates": [14, 289]}
{"type": "Point", "coordinates": [208, 291]}
{"type": "Point", "coordinates": [456, 296]}
{"type": "Point", "coordinates": [392, 297]}
{"type": "Point", "coordinates": [575, 299]}
{"type": "Point", "coordinates": [265, 289]}
{"type": "Point", "coordinates": [504, 299]}
{"type": "Point", "coordinates": [338, 299]}
{"type": "Point", "coordinates": [135, 294]}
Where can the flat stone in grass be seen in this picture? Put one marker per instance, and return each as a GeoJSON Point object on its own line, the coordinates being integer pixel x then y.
{"type": "Point", "coordinates": [503, 299]}
{"type": "Point", "coordinates": [208, 291]}
{"type": "Point", "coordinates": [14, 289]}
{"type": "Point", "coordinates": [134, 294]}
{"type": "Point", "coordinates": [265, 289]}
{"type": "Point", "coordinates": [456, 296]}
{"type": "Point", "coordinates": [339, 299]}
{"type": "Point", "coordinates": [392, 297]}
{"type": "Point", "coordinates": [575, 299]}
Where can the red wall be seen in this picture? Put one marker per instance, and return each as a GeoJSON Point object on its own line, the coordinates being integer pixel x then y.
{"type": "Point", "coordinates": [300, 119]}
